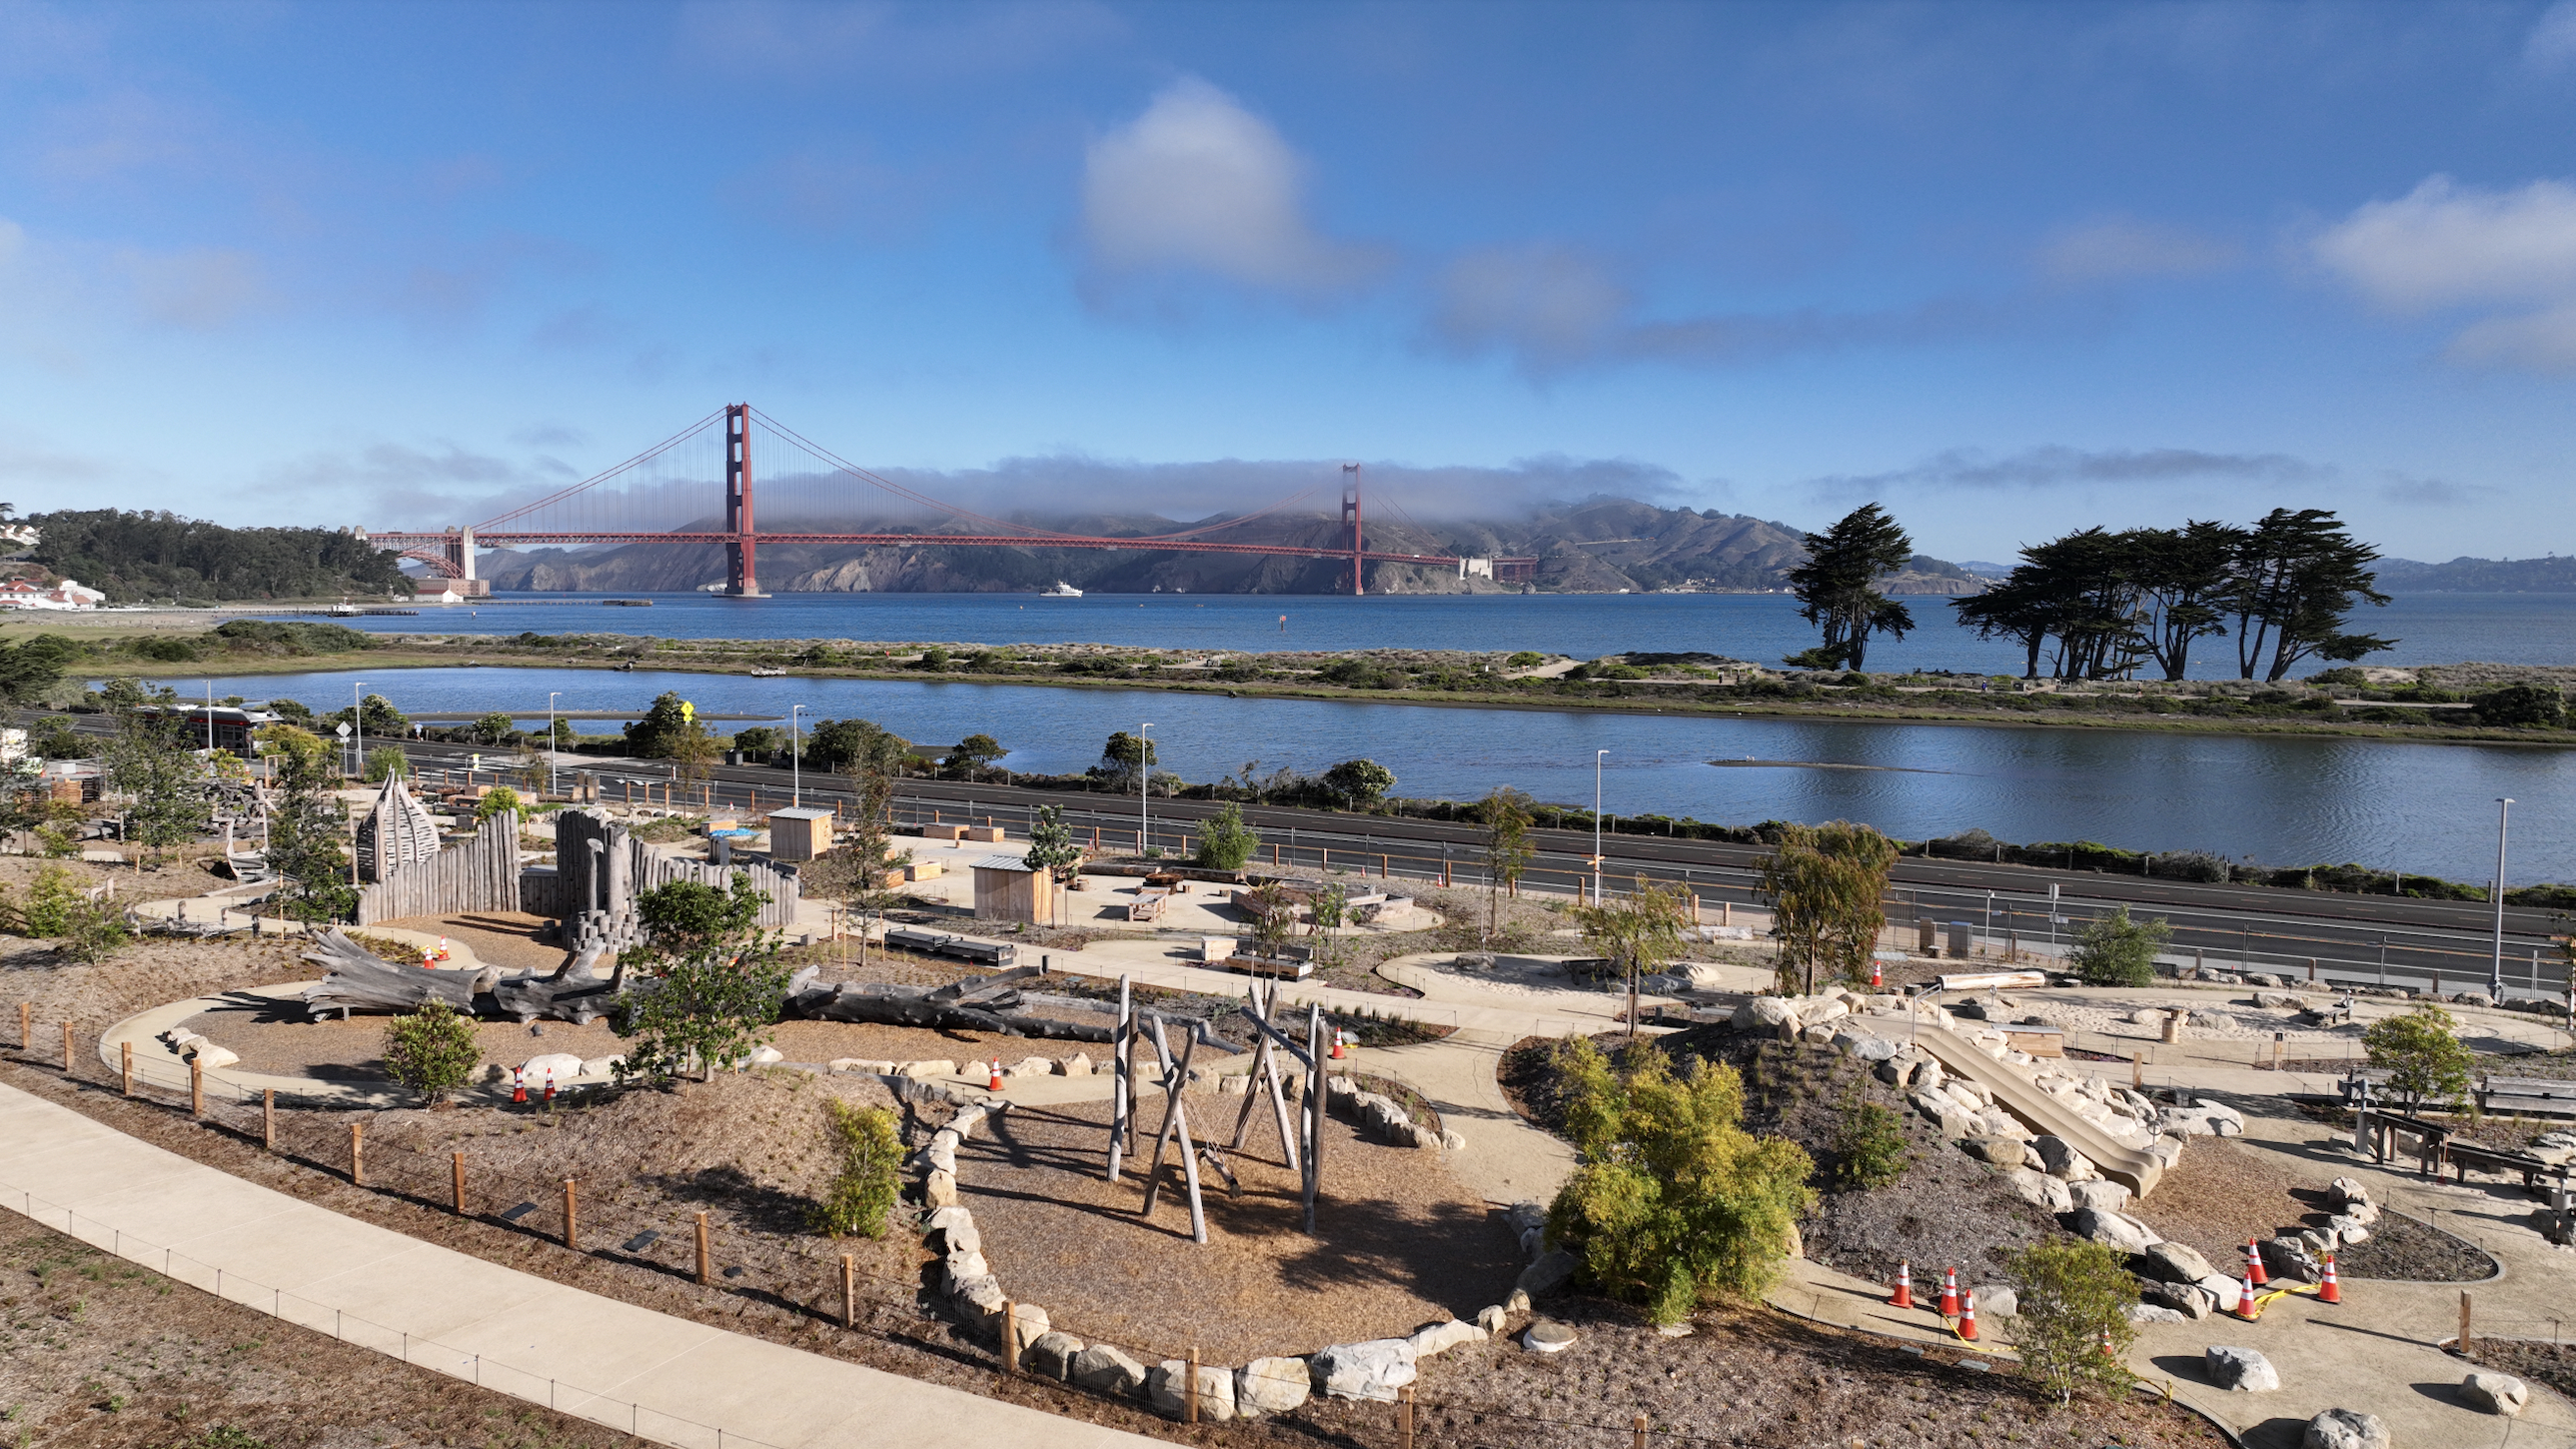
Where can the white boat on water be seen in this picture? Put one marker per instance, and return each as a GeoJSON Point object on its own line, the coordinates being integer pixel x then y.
{"type": "Point", "coordinates": [1062, 590]}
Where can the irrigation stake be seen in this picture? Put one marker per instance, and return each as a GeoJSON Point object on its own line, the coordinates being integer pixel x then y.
{"type": "Point", "coordinates": [358, 1153]}
{"type": "Point", "coordinates": [1639, 1425]}
{"type": "Point", "coordinates": [125, 1054]}
{"type": "Point", "coordinates": [703, 1274]}
{"type": "Point", "coordinates": [67, 1046]}
{"type": "Point", "coordinates": [850, 1291]}
{"type": "Point", "coordinates": [268, 1119]}
{"type": "Point", "coordinates": [26, 1027]}
{"type": "Point", "coordinates": [1190, 1398]}
{"type": "Point", "coordinates": [1404, 1416]}
{"type": "Point", "coordinates": [569, 1214]}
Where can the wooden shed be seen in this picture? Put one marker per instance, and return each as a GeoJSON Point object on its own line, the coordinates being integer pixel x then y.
{"type": "Point", "coordinates": [1008, 888]}
{"type": "Point", "coordinates": [799, 834]}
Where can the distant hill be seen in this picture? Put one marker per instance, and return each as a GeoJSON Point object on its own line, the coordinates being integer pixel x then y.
{"type": "Point", "coordinates": [2479, 576]}
{"type": "Point", "coordinates": [1602, 545]}
{"type": "Point", "coordinates": [138, 557]}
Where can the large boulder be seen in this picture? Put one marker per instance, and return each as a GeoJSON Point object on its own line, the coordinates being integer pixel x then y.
{"type": "Point", "coordinates": [939, 1189]}
{"type": "Point", "coordinates": [2099, 1193]}
{"type": "Point", "coordinates": [2222, 1290]}
{"type": "Point", "coordinates": [2240, 1370]}
{"type": "Point", "coordinates": [2209, 1020]}
{"type": "Point", "coordinates": [1865, 1047]}
{"type": "Point", "coordinates": [2495, 1393]}
{"type": "Point", "coordinates": [2174, 1263]}
{"type": "Point", "coordinates": [562, 1066]}
{"type": "Point", "coordinates": [2182, 1298]}
{"type": "Point", "coordinates": [1552, 1271]}
{"type": "Point", "coordinates": [1371, 1370]}
{"type": "Point", "coordinates": [2059, 1158]}
{"type": "Point", "coordinates": [2345, 1429]}
{"type": "Point", "coordinates": [2000, 1299]}
{"type": "Point", "coordinates": [2280, 1001]}
{"type": "Point", "coordinates": [1271, 1386]}
{"type": "Point", "coordinates": [952, 1230]}
{"type": "Point", "coordinates": [2347, 1190]}
{"type": "Point", "coordinates": [1051, 1355]}
{"type": "Point", "coordinates": [1999, 1151]}
{"type": "Point", "coordinates": [2041, 1190]}
{"type": "Point", "coordinates": [1765, 1014]}
{"type": "Point", "coordinates": [1103, 1369]}
{"type": "Point", "coordinates": [1170, 1381]}
{"type": "Point", "coordinates": [2288, 1258]}
{"type": "Point", "coordinates": [2117, 1229]}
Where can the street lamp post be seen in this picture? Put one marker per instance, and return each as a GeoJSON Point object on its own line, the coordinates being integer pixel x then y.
{"type": "Point", "coordinates": [1144, 788]}
{"type": "Point", "coordinates": [357, 730]}
{"type": "Point", "coordinates": [1596, 825]}
{"type": "Point", "coordinates": [551, 697]}
{"type": "Point", "coordinates": [795, 756]}
{"type": "Point", "coordinates": [2495, 976]}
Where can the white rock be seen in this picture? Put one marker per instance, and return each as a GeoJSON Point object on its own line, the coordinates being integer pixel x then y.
{"type": "Point", "coordinates": [2041, 1190]}
{"type": "Point", "coordinates": [954, 1230]}
{"type": "Point", "coordinates": [1051, 1355]}
{"type": "Point", "coordinates": [2155, 1313]}
{"type": "Point", "coordinates": [2059, 1158]}
{"type": "Point", "coordinates": [1764, 1014]}
{"type": "Point", "coordinates": [210, 1056]}
{"type": "Point", "coordinates": [1440, 1337]}
{"type": "Point", "coordinates": [2240, 1370]}
{"type": "Point", "coordinates": [2345, 1429]}
{"type": "Point", "coordinates": [1271, 1386]}
{"type": "Point", "coordinates": [923, 1071]}
{"type": "Point", "coordinates": [2495, 1393]}
{"type": "Point", "coordinates": [2117, 1229]}
{"type": "Point", "coordinates": [2222, 1290]}
{"type": "Point", "coordinates": [1493, 1318]}
{"type": "Point", "coordinates": [1170, 1379]}
{"type": "Point", "coordinates": [2110, 1197]}
{"type": "Point", "coordinates": [602, 1066]}
{"type": "Point", "coordinates": [564, 1065]}
{"type": "Point", "coordinates": [2348, 1229]}
{"type": "Point", "coordinates": [2348, 1190]}
{"type": "Point", "coordinates": [1104, 1369]}
{"type": "Point", "coordinates": [766, 1056]}
{"type": "Point", "coordinates": [1371, 1370]}
{"type": "Point", "coordinates": [939, 1189]}
{"type": "Point", "coordinates": [1077, 1065]}
{"type": "Point", "coordinates": [863, 1066]}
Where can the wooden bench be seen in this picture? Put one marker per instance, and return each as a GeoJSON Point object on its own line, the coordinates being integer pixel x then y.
{"type": "Point", "coordinates": [1148, 905]}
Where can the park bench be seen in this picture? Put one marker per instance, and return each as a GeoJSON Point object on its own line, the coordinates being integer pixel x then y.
{"type": "Point", "coordinates": [961, 948]}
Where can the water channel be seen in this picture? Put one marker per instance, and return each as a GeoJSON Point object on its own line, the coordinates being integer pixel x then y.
{"type": "Point", "coordinates": [2423, 808]}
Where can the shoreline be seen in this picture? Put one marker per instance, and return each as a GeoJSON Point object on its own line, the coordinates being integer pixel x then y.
{"type": "Point", "coordinates": [503, 652]}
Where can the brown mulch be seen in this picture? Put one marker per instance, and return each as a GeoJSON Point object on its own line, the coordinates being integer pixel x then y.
{"type": "Point", "coordinates": [2404, 1250]}
{"type": "Point", "coordinates": [2223, 1192]}
{"type": "Point", "coordinates": [97, 1353]}
{"type": "Point", "coordinates": [1400, 1243]}
{"type": "Point", "coordinates": [1745, 1378]}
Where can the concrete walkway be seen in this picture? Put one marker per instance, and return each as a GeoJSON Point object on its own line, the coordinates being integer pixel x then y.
{"type": "Point", "coordinates": [664, 1379]}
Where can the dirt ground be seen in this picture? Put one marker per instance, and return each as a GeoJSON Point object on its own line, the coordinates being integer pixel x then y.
{"type": "Point", "coordinates": [97, 1353]}
{"type": "Point", "coordinates": [506, 939]}
{"type": "Point", "coordinates": [1400, 1243]}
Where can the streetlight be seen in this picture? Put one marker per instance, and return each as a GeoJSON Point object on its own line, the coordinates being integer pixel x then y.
{"type": "Point", "coordinates": [795, 757]}
{"type": "Point", "coordinates": [551, 740]}
{"type": "Point", "coordinates": [1596, 825]}
{"type": "Point", "coordinates": [1144, 788]}
{"type": "Point", "coordinates": [2495, 977]}
{"type": "Point", "coordinates": [357, 730]}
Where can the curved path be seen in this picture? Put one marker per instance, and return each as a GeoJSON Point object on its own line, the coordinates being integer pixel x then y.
{"type": "Point", "coordinates": [667, 1380]}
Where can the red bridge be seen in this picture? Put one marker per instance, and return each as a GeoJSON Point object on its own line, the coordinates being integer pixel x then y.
{"type": "Point", "coordinates": [664, 477]}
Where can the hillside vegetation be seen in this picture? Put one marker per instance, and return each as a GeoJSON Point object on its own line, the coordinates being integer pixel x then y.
{"type": "Point", "coordinates": [142, 557]}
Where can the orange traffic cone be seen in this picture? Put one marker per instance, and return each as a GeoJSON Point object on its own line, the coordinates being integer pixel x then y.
{"type": "Point", "coordinates": [519, 1086]}
{"type": "Point", "coordinates": [2107, 1350]}
{"type": "Point", "coordinates": [1950, 1293]}
{"type": "Point", "coordinates": [1968, 1316]}
{"type": "Point", "coordinates": [995, 1084]}
{"type": "Point", "coordinates": [1904, 1287]}
{"type": "Point", "coordinates": [1877, 978]}
{"type": "Point", "coordinates": [550, 1086]}
{"type": "Point", "coordinates": [1340, 1049]}
{"type": "Point", "coordinates": [2246, 1308]}
{"type": "Point", "coordinates": [2327, 1292]}
{"type": "Point", "coordinates": [2254, 1265]}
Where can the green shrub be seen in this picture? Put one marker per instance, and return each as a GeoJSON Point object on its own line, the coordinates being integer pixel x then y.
{"type": "Point", "coordinates": [1869, 1146]}
{"type": "Point", "coordinates": [2522, 706]}
{"type": "Point", "coordinates": [863, 1191]}
{"type": "Point", "coordinates": [2113, 950]}
{"type": "Point", "coordinates": [59, 909]}
{"type": "Point", "coordinates": [501, 798]}
{"type": "Point", "coordinates": [1525, 659]}
{"type": "Point", "coordinates": [1675, 1201]}
{"type": "Point", "coordinates": [2422, 1054]}
{"type": "Point", "coordinates": [2074, 1298]}
{"type": "Point", "coordinates": [1225, 842]}
{"type": "Point", "coordinates": [433, 1050]}
{"type": "Point", "coordinates": [385, 762]}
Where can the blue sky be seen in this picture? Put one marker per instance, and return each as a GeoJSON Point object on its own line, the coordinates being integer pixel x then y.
{"type": "Point", "coordinates": [2009, 269]}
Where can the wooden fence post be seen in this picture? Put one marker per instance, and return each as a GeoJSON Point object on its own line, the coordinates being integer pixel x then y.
{"type": "Point", "coordinates": [125, 1053]}
{"type": "Point", "coordinates": [196, 1087]}
{"type": "Point", "coordinates": [456, 1177]}
{"type": "Point", "coordinates": [2464, 1321]}
{"type": "Point", "coordinates": [358, 1153]}
{"type": "Point", "coordinates": [67, 1046]}
{"type": "Point", "coordinates": [703, 1258]}
{"type": "Point", "coordinates": [1010, 1337]}
{"type": "Point", "coordinates": [850, 1290]}
{"type": "Point", "coordinates": [26, 1026]}
{"type": "Point", "coordinates": [1404, 1417]}
{"type": "Point", "coordinates": [268, 1119]}
{"type": "Point", "coordinates": [1638, 1424]}
{"type": "Point", "coordinates": [1190, 1393]}
{"type": "Point", "coordinates": [570, 1217]}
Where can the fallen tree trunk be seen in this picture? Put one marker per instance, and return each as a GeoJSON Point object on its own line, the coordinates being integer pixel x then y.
{"type": "Point", "coordinates": [358, 980]}
{"type": "Point", "coordinates": [999, 1008]}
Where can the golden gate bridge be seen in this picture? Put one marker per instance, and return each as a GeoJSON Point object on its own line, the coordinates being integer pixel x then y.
{"type": "Point", "coordinates": [616, 507]}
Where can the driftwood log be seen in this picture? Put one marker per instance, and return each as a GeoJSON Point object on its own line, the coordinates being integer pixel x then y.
{"type": "Point", "coordinates": [990, 1003]}
{"type": "Point", "coordinates": [361, 981]}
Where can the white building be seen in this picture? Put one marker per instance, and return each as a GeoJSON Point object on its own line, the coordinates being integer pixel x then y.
{"type": "Point", "coordinates": [69, 594]}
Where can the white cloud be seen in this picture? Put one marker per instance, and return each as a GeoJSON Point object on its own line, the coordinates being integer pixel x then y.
{"type": "Point", "coordinates": [202, 289]}
{"type": "Point", "coordinates": [2122, 247]}
{"type": "Point", "coordinates": [2057, 466]}
{"type": "Point", "coordinates": [2445, 246]}
{"type": "Point", "coordinates": [1199, 184]}
{"type": "Point", "coordinates": [2552, 42]}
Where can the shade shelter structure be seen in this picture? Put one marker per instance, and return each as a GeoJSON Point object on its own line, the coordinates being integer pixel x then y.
{"type": "Point", "coordinates": [1008, 888]}
{"type": "Point", "coordinates": [799, 834]}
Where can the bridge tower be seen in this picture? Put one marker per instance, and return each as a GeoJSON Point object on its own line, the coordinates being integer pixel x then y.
{"type": "Point", "coordinates": [1351, 516]}
{"type": "Point", "coordinates": [742, 565]}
